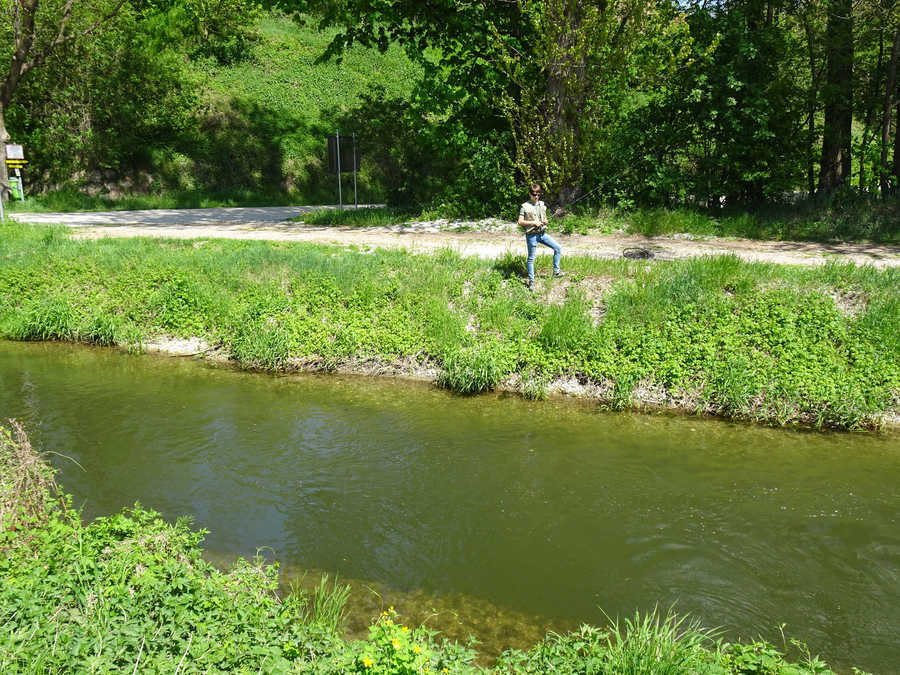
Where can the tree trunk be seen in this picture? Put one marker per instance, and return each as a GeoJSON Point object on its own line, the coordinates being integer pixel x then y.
{"type": "Point", "coordinates": [566, 92]}
{"type": "Point", "coordinates": [4, 172]}
{"type": "Point", "coordinates": [811, 104]}
{"type": "Point", "coordinates": [884, 177]}
{"type": "Point", "coordinates": [896, 171]}
{"type": "Point", "coordinates": [834, 167]}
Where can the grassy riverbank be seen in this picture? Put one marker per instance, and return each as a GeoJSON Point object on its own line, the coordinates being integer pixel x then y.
{"type": "Point", "coordinates": [131, 593]}
{"type": "Point", "coordinates": [862, 219]}
{"type": "Point", "coordinates": [817, 346]}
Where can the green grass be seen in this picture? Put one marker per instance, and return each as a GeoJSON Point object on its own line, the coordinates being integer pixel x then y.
{"type": "Point", "coordinates": [132, 593]}
{"type": "Point", "coordinates": [816, 346]}
{"type": "Point", "coordinates": [352, 217]}
{"type": "Point", "coordinates": [842, 217]}
{"type": "Point", "coordinates": [257, 133]}
{"type": "Point", "coordinates": [71, 200]}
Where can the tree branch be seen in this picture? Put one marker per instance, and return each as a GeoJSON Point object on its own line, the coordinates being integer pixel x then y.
{"type": "Point", "coordinates": [62, 38]}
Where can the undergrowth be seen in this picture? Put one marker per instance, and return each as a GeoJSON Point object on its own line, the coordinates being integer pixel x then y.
{"type": "Point", "coordinates": [844, 216]}
{"type": "Point", "coordinates": [816, 346]}
{"type": "Point", "coordinates": [131, 593]}
{"type": "Point", "coordinates": [362, 217]}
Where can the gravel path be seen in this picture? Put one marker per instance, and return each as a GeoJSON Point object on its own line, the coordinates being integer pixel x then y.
{"type": "Point", "coordinates": [489, 238]}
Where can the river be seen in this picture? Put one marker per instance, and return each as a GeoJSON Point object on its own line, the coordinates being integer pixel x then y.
{"type": "Point", "coordinates": [489, 514]}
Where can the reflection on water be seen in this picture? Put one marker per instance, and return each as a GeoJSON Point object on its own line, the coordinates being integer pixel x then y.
{"type": "Point", "coordinates": [538, 509]}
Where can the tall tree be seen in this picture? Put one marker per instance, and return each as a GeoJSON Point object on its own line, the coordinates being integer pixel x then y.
{"type": "Point", "coordinates": [536, 63]}
{"type": "Point", "coordinates": [36, 29]}
{"type": "Point", "coordinates": [889, 102]}
{"type": "Point", "coordinates": [834, 165]}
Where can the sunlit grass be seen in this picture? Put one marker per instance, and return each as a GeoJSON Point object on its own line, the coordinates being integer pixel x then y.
{"type": "Point", "coordinates": [361, 217]}
{"type": "Point", "coordinates": [756, 341]}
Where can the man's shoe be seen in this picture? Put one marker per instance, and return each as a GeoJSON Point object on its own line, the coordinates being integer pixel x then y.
{"type": "Point", "coordinates": [530, 284]}
{"type": "Point", "coordinates": [557, 275]}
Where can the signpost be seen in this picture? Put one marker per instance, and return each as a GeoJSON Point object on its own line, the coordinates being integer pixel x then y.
{"type": "Point", "coordinates": [341, 159]}
{"type": "Point", "coordinates": [15, 162]}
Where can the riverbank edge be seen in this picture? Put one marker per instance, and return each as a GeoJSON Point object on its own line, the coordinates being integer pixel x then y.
{"type": "Point", "coordinates": [647, 397]}
{"type": "Point", "coordinates": [763, 344]}
{"type": "Point", "coordinates": [136, 558]}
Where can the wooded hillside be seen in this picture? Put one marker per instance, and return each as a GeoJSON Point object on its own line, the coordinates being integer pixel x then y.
{"type": "Point", "coordinates": [631, 102]}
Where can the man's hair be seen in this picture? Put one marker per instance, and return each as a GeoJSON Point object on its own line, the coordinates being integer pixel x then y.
{"type": "Point", "coordinates": [535, 187]}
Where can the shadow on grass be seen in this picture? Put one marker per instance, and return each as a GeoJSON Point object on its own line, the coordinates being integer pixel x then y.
{"type": "Point", "coordinates": [511, 266]}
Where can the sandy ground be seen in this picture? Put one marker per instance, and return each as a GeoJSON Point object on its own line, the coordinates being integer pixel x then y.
{"type": "Point", "coordinates": [489, 238]}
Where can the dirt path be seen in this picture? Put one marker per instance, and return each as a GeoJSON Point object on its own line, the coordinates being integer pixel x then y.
{"type": "Point", "coordinates": [488, 238]}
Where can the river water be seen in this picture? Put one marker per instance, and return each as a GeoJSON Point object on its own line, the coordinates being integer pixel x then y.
{"type": "Point", "coordinates": [491, 514]}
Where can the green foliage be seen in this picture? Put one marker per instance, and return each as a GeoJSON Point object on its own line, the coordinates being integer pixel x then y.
{"type": "Point", "coordinates": [816, 346]}
{"type": "Point", "coordinates": [660, 645]}
{"type": "Point", "coordinates": [831, 219]}
{"type": "Point", "coordinates": [395, 649]}
{"type": "Point", "coordinates": [653, 644]}
{"type": "Point", "coordinates": [326, 608]}
{"type": "Point", "coordinates": [132, 592]}
{"type": "Point", "coordinates": [50, 318]}
{"type": "Point", "coordinates": [457, 106]}
{"type": "Point", "coordinates": [567, 326]}
{"type": "Point", "coordinates": [213, 102]}
{"type": "Point", "coordinates": [350, 217]}
{"type": "Point", "coordinates": [473, 370]}
{"type": "Point", "coordinates": [761, 658]}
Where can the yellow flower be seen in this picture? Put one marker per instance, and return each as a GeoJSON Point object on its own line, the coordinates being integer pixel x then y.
{"type": "Point", "coordinates": [417, 649]}
{"type": "Point", "coordinates": [367, 662]}
{"type": "Point", "coordinates": [396, 643]}
{"type": "Point", "coordinates": [405, 629]}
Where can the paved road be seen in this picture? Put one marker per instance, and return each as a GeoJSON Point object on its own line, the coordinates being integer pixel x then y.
{"type": "Point", "coordinates": [488, 239]}
{"type": "Point", "coordinates": [169, 217]}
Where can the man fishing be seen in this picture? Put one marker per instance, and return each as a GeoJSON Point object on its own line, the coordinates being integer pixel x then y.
{"type": "Point", "coordinates": [533, 220]}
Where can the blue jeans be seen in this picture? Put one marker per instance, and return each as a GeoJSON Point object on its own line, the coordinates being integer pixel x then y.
{"type": "Point", "coordinates": [532, 240]}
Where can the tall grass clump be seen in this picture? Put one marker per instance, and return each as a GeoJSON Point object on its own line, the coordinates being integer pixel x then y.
{"type": "Point", "coordinates": [103, 328]}
{"type": "Point", "coordinates": [566, 326]}
{"type": "Point", "coordinates": [656, 644]}
{"type": "Point", "coordinates": [261, 342]}
{"type": "Point", "coordinates": [534, 385]}
{"type": "Point", "coordinates": [474, 369]}
{"type": "Point", "coordinates": [46, 318]}
{"type": "Point", "coordinates": [325, 606]}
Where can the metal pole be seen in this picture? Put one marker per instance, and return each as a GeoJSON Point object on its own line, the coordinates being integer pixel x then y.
{"type": "Point", "coordinates": [2, 214]}
{"type": "Point", "coordinates": [355, 202]}
{"type": "Point", "coordinates": [337, 136]}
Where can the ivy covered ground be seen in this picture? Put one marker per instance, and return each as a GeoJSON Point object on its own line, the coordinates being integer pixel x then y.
{"type": "Point", "coordinates": [778, 344]}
